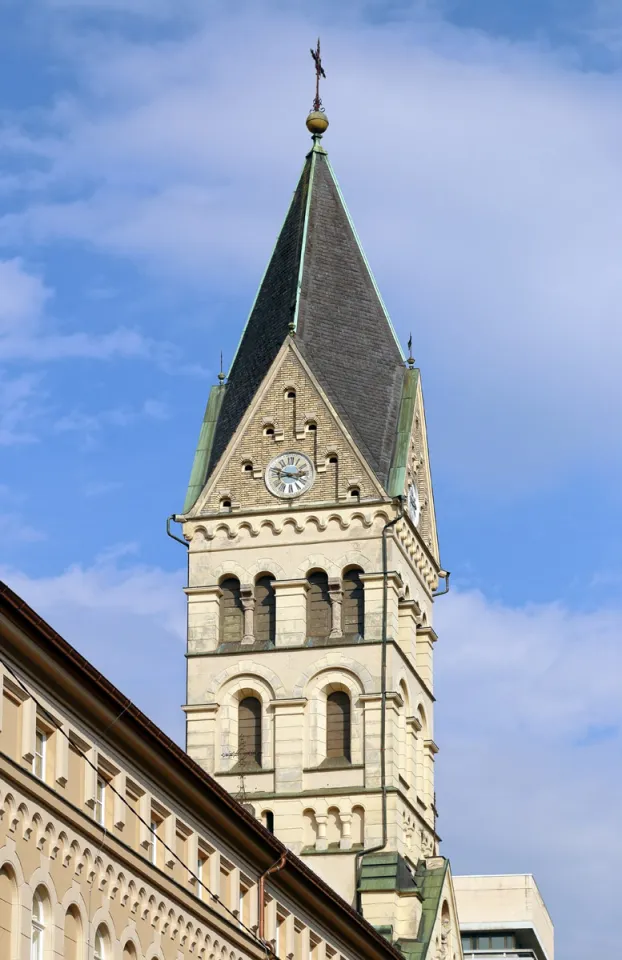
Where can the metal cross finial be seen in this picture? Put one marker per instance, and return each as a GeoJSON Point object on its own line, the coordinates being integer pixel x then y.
{"type": "Point", "coordinates": [411, 359]}
{"type": "Point", "coordinates": [319, 72]}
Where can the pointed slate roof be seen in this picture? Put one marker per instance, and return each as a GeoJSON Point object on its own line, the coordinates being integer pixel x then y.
{"type": "Point", "coordinates": [319, 286]}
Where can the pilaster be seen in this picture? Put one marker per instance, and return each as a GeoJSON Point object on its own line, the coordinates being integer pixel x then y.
{"type": "Point", "coordinates": [424, 658]}
{"type": "Point", "coordinates": [201, 733]}
{"type": "Point", "coordinates": [373, 584]}
{"type": "Point", "coordinates": [203, 618]}
{"type": "Point", "coordinates": [289, 721]}
{"type": "Point", "coordinates": [291, 612]}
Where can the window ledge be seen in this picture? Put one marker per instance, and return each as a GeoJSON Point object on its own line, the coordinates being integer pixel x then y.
{"type": "Point", "coordinates": [334, 765]}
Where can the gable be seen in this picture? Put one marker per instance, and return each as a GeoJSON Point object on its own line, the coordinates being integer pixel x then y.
{"type": "Point", "coordinates": [340, 467]}
{"type": "Point", "coordinates": [411, 460]}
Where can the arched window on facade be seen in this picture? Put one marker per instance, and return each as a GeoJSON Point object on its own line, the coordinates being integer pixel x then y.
{"type": "Point", "coordinates": [265, 609]}
{"type": "Point", "coordinates": [231, 611]}
{"type": "Point", "coordinates": [353, 616]}
{"type": "Point", "coordinates": [249, 732]}
{"type": "Point", "coordinates": [338, 727]}
{"type": "Point", "coordinates": [8, 906]}
{"type": "Point", "coordinates": [73, 934]}
{"type": "Point", "coordinates": [319, 617]}
{"type": "Point", "coordinates": [267, 818]}
{"type": "Point", "coordinates": [129, 951]}
{"type": "Point", "coordinates": [38, 931]}
{"type": "Point", "coordinates": [100, 951]}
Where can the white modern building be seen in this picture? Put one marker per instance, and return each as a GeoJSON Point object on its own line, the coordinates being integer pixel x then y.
{"type": "Point", "coordinates": [503, 916]}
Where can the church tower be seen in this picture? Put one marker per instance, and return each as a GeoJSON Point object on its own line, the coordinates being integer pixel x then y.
{"type": "Point", "coordinates": [313, 565]}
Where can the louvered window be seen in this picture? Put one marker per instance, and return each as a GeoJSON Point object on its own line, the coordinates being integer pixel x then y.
{"type": "Point", "coordinates": [338, 726]}
{"type": "Point", "coordinates": [249, 732]}
{"type": "Point", "coordinates": [318, 606]}
{"type": "Point", "coordinates": [353, 603]}
{"type": "Point", "coordinates": [231, 611]}
{"type": "Point", "coordinates": [265, 609]}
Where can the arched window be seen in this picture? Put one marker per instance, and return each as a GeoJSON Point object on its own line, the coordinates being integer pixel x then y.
{"type": "Point", "coordinates": [231, 611]}
{"type": "Point", "coordinates": [338, 726]}
{"type": "Point", "coordinates": [8, 903]}
{"type": "Point", "coordinates": [267, 818]}
{"type": "Point", "coordinates": [358, 826]}
{"type": "Point", "coordinates": [73, 934]}
{"type": "Point", "coordinates": [129, 951]}
{"type": "Point", "coordinates": [101, 944]}
{"type": "Point", "coordinates": [265, 609]}
{"type": "Point", "coordinates": [38, 931]}
{"type": "Point", "coordinates": [319, 616]}
{"type": "Point", "coordinates": [353, 616]}
{"type": "Point", "coordinates": [249, 732]}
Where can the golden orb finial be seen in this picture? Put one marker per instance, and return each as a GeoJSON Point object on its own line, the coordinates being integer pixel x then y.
{"type": "Point", "coordinates": [317, 123]}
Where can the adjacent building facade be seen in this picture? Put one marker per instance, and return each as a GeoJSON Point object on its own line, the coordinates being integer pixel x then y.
{"type": "Point", "coordinates": [503, 917]}
{"type": "Point", "coordinates": [115, 845]}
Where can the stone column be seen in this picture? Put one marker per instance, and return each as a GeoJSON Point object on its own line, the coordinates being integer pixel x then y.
{"type": "Point", "coordinates": [248, 603]}
{"type": "Point", "coordinates": [291, 612]}
{"type": "Point", "coordinates": [289, 722]}
{"type": "Point", "coordinates": [321, 843]}
{"type": "Point", "coordinates": [345, 842]}
{"type": "Point", "coordinates": [203, 618]}
{"type": "Point", "coordinates": [335, 593]}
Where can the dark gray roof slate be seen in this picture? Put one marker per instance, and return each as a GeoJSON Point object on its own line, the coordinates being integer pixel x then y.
{"type": "Point", "coordinates": [319, 280]}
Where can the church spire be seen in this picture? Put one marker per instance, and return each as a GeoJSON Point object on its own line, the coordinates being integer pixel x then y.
{"type": "Point", "coordinates": [318, 287]}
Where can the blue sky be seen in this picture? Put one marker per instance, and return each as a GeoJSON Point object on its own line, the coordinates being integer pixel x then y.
{"type": "Point", "coordinates": [148, 150]}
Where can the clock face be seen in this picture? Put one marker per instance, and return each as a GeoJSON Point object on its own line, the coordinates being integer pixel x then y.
{"type": "Point", "coordinates": [290, 475]}
{"type": "Point", "coordinates": [413, 504]}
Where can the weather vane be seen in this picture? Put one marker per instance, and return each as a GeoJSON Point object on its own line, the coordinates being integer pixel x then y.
{"type": "Point", "coordinates": [411, 359]}
{"type": "Point", "coordinates": [319, 72]}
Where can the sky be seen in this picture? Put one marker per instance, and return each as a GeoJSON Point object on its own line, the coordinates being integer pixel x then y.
{"type": "Point", "coordinates": [148, 152]}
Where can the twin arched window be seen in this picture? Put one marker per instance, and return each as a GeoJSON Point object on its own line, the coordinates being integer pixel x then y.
{"type": "Point", "coordinates": [232, 610]}
{"type": "Point", "coordinates": [320, 620]}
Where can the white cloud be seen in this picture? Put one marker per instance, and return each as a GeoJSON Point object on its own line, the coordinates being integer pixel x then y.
{"type": "Point", "coordinates": [20, 404]}
{"type": "Point", "coordinates": [483, 176]}
{"type": "Point", "coordinates": [27, 331]}
{"type": "Point", "coordinates": [528, 720]}
{"type": "Point", "coordinates": [129, 621]}
{"type": "Point", "coordinates": [13, 529]}
{"type": "Point", "coordinates": [91, 424]}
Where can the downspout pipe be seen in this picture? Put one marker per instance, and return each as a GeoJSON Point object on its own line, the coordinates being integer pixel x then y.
{"type": "Point", "coordinates": [261, 906]}
{"type": "Point", "coordinates": [173, 536]}
{"type": "Point", "coordinates": [358, 860]}
{"type": "Point", "coordinates": [444, 575]}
